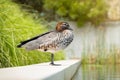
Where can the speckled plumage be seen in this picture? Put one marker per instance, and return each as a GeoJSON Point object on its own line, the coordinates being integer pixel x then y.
{"type": "Point", "coordinates": [51, 41]}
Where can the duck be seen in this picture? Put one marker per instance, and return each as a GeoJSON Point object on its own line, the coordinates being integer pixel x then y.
{"type": "Point", "coordinates": [51, 41]}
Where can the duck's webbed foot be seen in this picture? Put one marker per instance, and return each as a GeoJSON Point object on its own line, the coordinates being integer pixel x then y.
{"type": "Point", "coordinates": [52, 61]}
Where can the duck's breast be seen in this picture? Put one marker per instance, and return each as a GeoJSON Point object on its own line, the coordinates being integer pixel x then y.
{"type": "Point", "coordinates": [65, 38]}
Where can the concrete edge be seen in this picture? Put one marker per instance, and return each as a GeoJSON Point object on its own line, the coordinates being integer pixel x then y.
{"type": "Point", "coordinates": [42, 71]}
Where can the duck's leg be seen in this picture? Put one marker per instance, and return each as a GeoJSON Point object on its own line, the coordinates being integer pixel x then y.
{"type": "Point", "coordinates": [52, 61]}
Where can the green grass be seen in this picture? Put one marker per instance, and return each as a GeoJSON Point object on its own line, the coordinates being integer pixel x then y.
{"type": "Point", "coordinates": [17, 25]}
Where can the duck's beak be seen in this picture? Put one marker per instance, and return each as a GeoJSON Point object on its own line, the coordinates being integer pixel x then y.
{"type": "Point", "coordinates": [70, 28]}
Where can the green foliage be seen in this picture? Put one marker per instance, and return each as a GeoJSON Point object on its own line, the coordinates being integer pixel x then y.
{"type": "Point", "coordinates": [82, 11]}
{"type": "Point", "coordinates": [17, 25]}
{"type": "Point", "coordinates": [31, 4]}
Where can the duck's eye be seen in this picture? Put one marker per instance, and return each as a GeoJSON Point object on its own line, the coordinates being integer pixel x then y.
{"type": "Point", "coordinates": [67, 25]}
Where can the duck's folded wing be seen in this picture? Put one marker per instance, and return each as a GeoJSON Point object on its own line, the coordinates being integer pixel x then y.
{"type": "Point", "coordinates": [38, 41]}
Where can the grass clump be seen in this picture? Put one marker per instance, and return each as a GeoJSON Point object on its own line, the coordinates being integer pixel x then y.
{"type": "Point", "coordinates": [15, 26]}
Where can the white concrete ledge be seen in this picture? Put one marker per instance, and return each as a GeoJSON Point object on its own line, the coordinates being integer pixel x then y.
{"type": "Point", "coordinates": [42, 71]}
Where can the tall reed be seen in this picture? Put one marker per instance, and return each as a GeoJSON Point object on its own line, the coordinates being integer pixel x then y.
{"type": "Point", "coordinates": [17, 25]}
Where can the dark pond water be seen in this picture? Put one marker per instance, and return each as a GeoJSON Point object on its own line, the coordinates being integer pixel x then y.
{"type": "Point", "coordinates": [98, 72]}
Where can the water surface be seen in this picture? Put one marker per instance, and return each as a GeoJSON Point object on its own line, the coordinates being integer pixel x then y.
{"type": "Point", "coordinates": [98, 72]}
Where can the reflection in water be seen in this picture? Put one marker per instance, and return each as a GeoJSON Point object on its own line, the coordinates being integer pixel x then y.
{"type": "Point", "coordinates": [98, 41]}
{"type": "Point", "coordinates": [98, 72]}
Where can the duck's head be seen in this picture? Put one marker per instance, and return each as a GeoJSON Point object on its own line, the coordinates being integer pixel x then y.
{"type": "Point", "coordinates": [61, 26]}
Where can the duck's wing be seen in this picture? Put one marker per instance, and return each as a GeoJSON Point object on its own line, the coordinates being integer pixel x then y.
{"type": "Point", "coordinates": [36, 42]}
{"type": "Point", "coordinates": [32, 39]}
